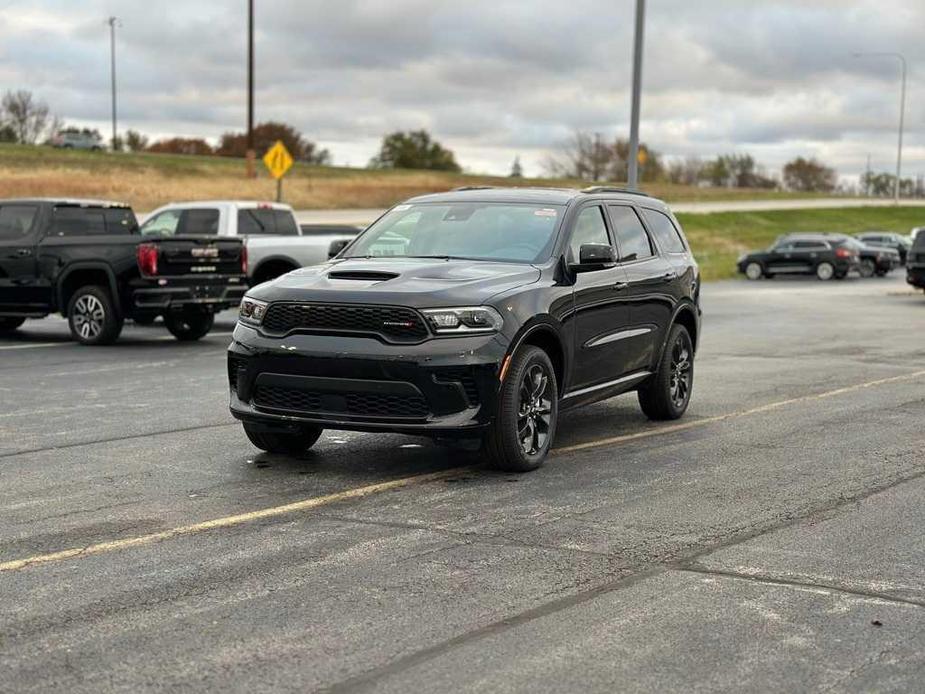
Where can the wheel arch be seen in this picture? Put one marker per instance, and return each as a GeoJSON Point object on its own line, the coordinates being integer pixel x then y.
{"type": "Point", "coordinates": [546, 337]}
{"type": "Point", "coordinates": [274, 261]}
{"type": "Point", "coordinates": [80, 274]}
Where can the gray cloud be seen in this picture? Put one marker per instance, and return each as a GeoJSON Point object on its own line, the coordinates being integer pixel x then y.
{"type": "Point", "coordinates": [491, 78]}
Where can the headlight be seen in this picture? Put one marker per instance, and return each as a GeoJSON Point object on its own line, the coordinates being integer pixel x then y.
{"type": "Point", "coordinates": [252, 311]}
{"type": "Point", "coordinates": [464, 321]}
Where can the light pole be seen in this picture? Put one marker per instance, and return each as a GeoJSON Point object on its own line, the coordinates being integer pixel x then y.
{"type": "Point", "coordinates": [902, 113]}
{"type": "Point", "coordinates": [633, 170]}
{"type": "Point", "coordinates": [251, 153]}
{"type": "Point", "coordinates": [113, 23]}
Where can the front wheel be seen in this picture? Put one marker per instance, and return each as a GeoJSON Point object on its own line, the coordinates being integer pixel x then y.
{"type": "Point", "coordinates": [667, 393]}
{"type": "Point", "coordinates": [825, 271]}
{"type": "Point", "coordinates": [92, 317]}
{"type": "Point", "coordinates": [754, 271]}
{"type": "Point", "coordinates": [528, 406]}
{"type": "Point", "coordinates": [284, 443]}
{"type": "Point", "coordinates": [9, 324]}
{"type": "Point", "coordinates": [188, 327]}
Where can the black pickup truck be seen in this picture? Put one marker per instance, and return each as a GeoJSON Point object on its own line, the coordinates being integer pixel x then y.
{"type": "Point", "coordinates": [87, 261]}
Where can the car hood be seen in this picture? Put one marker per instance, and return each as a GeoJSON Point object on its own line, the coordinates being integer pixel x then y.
{"type": "Point", "coordinates": [414, 282]}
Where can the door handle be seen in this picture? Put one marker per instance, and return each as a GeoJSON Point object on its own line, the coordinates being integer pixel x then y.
{"type": "Point", "coordinates": [668, 276]}
{"type": "Point", "coordinates": [24, 252]}
{"type": "Point", "coordinates": [620, 286]}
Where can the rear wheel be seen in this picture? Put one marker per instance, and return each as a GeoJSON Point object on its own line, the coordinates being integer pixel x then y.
{"type": "Point", "coordinates": [867, 268]}
{"type": "Point", "coordinates": [92, 316]}
{"type": "Point", "coordinates": [528, 406]}
{"type": "Point", "coordinates": [825, 271]}
{"type": "Point", "coordinates": [285, 443]}
{"type": "Point", "coordinates": [189, 326]}
{"type": "Point", "coordinates": [667, 393]}
{"type": "Point", "coordinates": [9, 324]}
{"type": "Point", "coordinates": [754, 271]}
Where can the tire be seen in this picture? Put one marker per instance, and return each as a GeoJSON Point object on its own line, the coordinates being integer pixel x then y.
{"type": "Point", "coordinates": [189, 327]}
{"type": "Point", "coordinates": [92, 316]}
{"type": "Point", "coordinates": [9, 324]}
{"type": "Point", "coordinates": [667, 393]}
{"type": "Point", "coordinates": [284, 443]}
{"type": "Point", "coordinates": [867, 268]}
{"type": "Point", "coordinates": [825, 271]}
{"type": "Point", "coordinates": [754, 271]}
{"type": "Point", "coordinates": [524, 427]}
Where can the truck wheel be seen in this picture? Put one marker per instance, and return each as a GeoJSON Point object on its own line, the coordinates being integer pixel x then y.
{"type": "Point", "coordinates": [284, 443]}
{"type": "Point", "coordinates": [188, 327]}
{"type": "Point", "coordinates": [9, 324]}
{"type": "Point", "coordinates": [667, 393]}
{"type": "Point", "coordinates": [92, 316]}
{"type": "Point", "coordinates": [522, 433]}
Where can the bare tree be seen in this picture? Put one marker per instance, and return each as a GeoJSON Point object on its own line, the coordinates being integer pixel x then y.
{"type": "Point", "coordinates": [585, 156]}
{"type": "Point", "coordinates": [27, 116]}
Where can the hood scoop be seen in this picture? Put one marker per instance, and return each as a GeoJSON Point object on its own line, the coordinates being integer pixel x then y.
{"type": "Point", "coordinates": [362, 275]}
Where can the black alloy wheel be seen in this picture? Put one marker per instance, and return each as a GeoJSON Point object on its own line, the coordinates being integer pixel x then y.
{"type": "Point", "coordinates": [667, 393]}
{"type": "Point", "coordinates": [189, 326]}
{"type": "Point", "coordinates": [534, 418]}
{"type": "Point", "coordinates": [682, 367]}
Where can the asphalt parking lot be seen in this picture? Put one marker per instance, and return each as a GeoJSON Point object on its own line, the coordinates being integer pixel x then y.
{"type": "Point", "coordinates": [769, 541]}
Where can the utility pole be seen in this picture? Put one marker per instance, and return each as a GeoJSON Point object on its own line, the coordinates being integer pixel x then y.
{"type": "Point", "coordinates": [902, 114]}
{"type": "Point", "coordinates": [251, 152]}
{"type": "Point", "coordinates": [867, 179]}
{"type": "Point", "coordinates": [113, 23]}
{"type": "Point", "coordinates": [633, 173]}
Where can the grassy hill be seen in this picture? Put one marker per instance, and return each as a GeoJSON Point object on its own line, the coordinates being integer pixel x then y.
{"type": "Point", "coordinates": [149, 180]}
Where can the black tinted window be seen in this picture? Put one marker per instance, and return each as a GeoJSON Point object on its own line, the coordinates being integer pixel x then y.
{"type": "Point", "coordinates": [78, 221]}
{"type": "Point", "coordinates": [810, 245]}
{"type": "Point", "coordinates": [199, 222]}
{"type": "Point", "coordinates": [265, 220]}
{"type": "Point", "coordinates": [16, 221]}
{"type": "Point", "coordinates": [666, 235]}
{"type": "Point", "coordinates": [632, 239]}
{"type": "Point", "coordinates": [120, 220]}
{"type": "Point", "coordinates": [285, 223]}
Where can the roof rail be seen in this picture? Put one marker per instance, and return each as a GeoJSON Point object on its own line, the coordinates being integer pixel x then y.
{"type": "Point", "coordinates": [614, 189]}
{"type": "Point", "coordinates": [464, 188]}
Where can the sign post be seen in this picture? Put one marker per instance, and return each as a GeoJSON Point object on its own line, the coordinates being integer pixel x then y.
{"type": "Point", "coordinates": [278, 161]}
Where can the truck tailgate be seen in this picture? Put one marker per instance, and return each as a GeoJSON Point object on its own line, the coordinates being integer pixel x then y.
{"type": "Point", "coordinates": [200, 255]}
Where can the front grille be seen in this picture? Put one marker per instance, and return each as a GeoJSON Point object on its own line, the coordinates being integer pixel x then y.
{"type": "Point", "coordinates": [464, 377]}
{"type": "Point", "coordinates": [384, 405]}
{"type": "Point", "coordinates": [394, 323]}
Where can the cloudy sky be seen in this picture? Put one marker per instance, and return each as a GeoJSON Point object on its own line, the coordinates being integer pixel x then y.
{"type": "Point", "coordinates": [491, 78]}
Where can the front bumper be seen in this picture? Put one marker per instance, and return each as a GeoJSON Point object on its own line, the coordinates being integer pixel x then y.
{"type": "Point", "coordinates": [441, 387]}
{"type": "Point", "coordinates": [916, 276]}
{"type": "Point", "coordinates": [169, 293]}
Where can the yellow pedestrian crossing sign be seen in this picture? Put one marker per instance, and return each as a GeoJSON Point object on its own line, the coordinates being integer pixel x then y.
{"type": "Point", "coordinates": [278, 160]}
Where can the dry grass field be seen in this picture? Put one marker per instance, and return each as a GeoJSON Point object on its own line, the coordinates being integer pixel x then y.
{"type": "Point", "coordinates": [149, 180]}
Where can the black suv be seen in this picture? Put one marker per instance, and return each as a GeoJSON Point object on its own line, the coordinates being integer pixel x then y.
{"type": "Point", "coordinates": [474, 314]}
{"type": "Point", "coordinates": [915, 263]}
{"type": "Point", "coordinates": [87, 260]}
{"type": "Point", "coordinates": [828, 256]}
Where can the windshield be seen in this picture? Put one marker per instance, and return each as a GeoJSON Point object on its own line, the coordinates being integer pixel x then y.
{"type": "Point", "coordinates": [522, 233]}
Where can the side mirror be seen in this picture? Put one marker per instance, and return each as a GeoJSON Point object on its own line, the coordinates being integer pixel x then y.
{"type": "Point", "coordinates": [595, 256]}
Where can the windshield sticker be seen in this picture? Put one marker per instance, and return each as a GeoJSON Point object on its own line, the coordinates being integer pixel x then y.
{"type": "Point", "coordinates": [546, 212]}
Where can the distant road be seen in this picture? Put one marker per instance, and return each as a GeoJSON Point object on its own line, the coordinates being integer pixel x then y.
{"type": "Point", "coordinates": [364, 217]}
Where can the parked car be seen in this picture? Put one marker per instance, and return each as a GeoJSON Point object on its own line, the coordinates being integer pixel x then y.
{"type": "Point", "coordinates": [337, 235]}
{"type": "Point", "coordinates": [801, 254]}
{"type": "Point", "coordinates": [913, 235]}
{"type": "Point", "coordinates": [887, 239]}
{"type": "Point", "coordinates": [76, 139]}
{"type": "Point", "coordinates": [275, 243]}
{"type": "Point", "coordinates": [915, 263]}
{"type": "Point", "coordinates": [474, 314]}
{"type": "Point", "coordinates": [87, 261]}
{"type": "Point", "coordinates": [872, 260]}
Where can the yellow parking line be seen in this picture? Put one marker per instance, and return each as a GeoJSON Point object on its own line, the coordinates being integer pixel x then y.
{"type": "Point", "coordinates": [361, 492]}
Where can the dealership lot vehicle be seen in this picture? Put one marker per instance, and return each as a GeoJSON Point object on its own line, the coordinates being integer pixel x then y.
{"type": "Point", "coordinates": [337, 236]}
{"type": "Point", "coordinates": [872, 260]}
{"type": "Point", "coordinates": [826, 256]}
{"type": "Point", "coordinates": [275, 242]}
{"type": "Point", "coordinates": [86, 260]}
{"type": "Point", "coordinates": [915, 263]}
{"type": "Point", "coordinates": [897, 242]}
{"type": "Point", "coordinates": [77, 139]}
{"type": "Point", "coordinates": [475, 314]}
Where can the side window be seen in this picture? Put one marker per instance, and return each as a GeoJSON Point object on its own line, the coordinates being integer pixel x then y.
{"type": "Point", "coordinates": [78, 221]}
{"type": "Point", "coordinates": [632, 240]}
{"type": "Point", "coordinates": [589, 228]}
{"type": "Point", "coordinates": [16, 221]}
{"type": "Point", "coordinates": [253, 221]}
{"type": "Point", "coordinates": [285, 223]}
{"type": "Point", "coordinates": [810, 246]}
{"type": "Point", "coordinates": [199, 222]}
{"type": "Point", "coordinates": [164, 224]}
{"type": "Point", "coordinates": [664, 231]}
{"type": "Point", "coordinates": [120, 220]}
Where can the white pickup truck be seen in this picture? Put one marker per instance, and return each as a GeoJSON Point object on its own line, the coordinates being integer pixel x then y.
{"type": "Point", "coordinates": [275, 242]}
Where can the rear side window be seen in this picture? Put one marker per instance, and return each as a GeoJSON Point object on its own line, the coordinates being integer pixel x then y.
{"type": "Point", "coordinates": [78, 221]}
{"type": "Point", "coordinates": [199, 222]}
{"type": "Point", "coordinates": [664, 231]}
{"type": "Point", "coordinates": [16, 221]}
{"type": "Point", "coordinates": [265, 220]}
{"type": "Point", "coordinates": [120, 220]}
{"type": "Point", "coordinates": [810, 246]}
{"type": "Point", "coordinates": [632, 240]}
